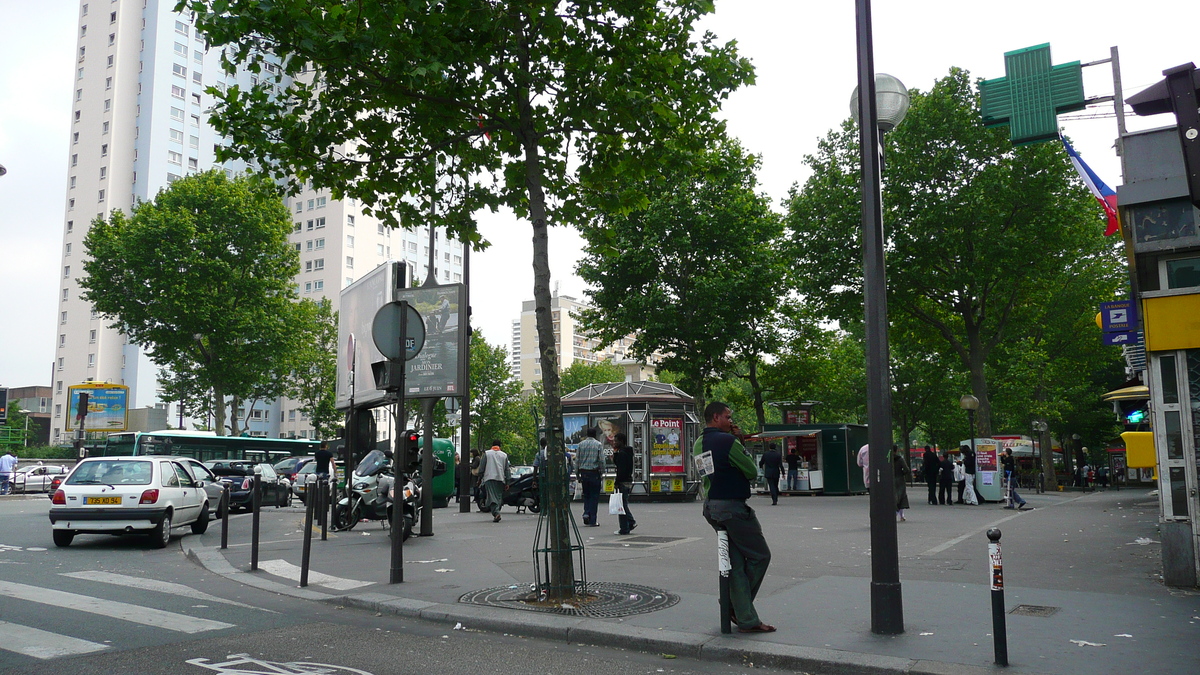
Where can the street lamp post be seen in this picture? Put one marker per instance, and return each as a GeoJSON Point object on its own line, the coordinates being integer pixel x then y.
{"type": "Point", "coordinates": [970, 404]}
{"type": "Point", "coordinates": [1069, 466]}
{"type": "Point", "coordinates": [887, 611]}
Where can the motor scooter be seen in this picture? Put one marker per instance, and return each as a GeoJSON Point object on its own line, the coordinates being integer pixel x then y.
{"type": "Point", "coordinates": [410, 497]}
{"type": "Point", "coordinates": [370, 484]}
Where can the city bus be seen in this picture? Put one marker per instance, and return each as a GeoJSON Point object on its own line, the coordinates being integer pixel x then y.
{"type": "Point", "coordinates": [205, 446]}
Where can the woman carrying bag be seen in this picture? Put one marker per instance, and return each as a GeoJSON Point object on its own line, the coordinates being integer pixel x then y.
{"type": "Point", "coordinates": [623, 459]}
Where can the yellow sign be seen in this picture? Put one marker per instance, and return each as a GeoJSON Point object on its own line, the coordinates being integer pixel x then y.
{"type": "Point", "coordinates": [676, 485]}
{"type": "Point", "coordinates": [610, 485]}
{"type": "Point", "coordinates": [1139, 449]}
{"type": "Point", "coordinates": [656, 485]}
{"type": "Point", "coordinates": [1172, 322]}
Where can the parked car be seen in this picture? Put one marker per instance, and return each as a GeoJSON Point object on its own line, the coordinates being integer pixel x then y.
{"type": "Point", "coordinates": [307, 475]}
{"type": "Point", "coordinates": [209, 481]}
{"type": "Point", "coordinates": [288, 467]}
{"type": "Point", "coordinates": [37, 478]}
{"type": "Point", "coordinates": [117, 495]}
{"type": "Point", "coordinates": [239, 476]}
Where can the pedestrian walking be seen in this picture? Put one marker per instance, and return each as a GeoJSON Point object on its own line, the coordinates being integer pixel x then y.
{"type": "Point", "coordinates": [900, 482]}
{"type": "Point", "coordinates": [945, 480]}
{"type": "Point", "coordinates": [864, 460]}
{"type": "Point", "coordinates": [8, 467]}
{"type": "Point", "coordinates": [930, 466]}
{"type": "Point", "coordinates": [493, 469]}
{"type": "Point", "coordinates": [1015, 501]}
{"type": "Point", "coordinates": [587, 458]}
{"type": "Point", "coordinates": [793, 471]}
{"type": "Point", "coordinates": [969, 468]}
{"type": "Point", "coordinates": [771, 463]}
{"type": "Point", "coordinates": [960, 479]}
{"type": "Point", "coordinates": [325, 461]}
{"type": "Point", "coordinates": [623, 460]}
{"type": "Point", "coordinates": [727, 470]}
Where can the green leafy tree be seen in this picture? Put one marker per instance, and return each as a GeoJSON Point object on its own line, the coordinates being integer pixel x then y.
{"type": "Point", "coordinates": [313, 373]}
{"type": "Point", "coordinates": [580, 374]}
{"type": "Point", "coordinates": [977, 228]}
{"type": "Point", "coordinates": [497, 411]}
{"type": "Point", "coordinates": [202, 277]}
{"type": "Point", "coordinates": [387, 96]}
{"type": "Point", "coordinates": [694, 273]}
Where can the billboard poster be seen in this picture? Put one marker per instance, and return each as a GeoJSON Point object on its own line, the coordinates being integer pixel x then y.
{"type": "Point", "coordinates": [607, 427]}
{"type": "Point", "coordinates": [985, 456]}
{"type": "Point", "coordinates": [107, 407]}
{"type": "Point", "coordinates": [357, 306]}
{"type": "Point", "coordinates": [573, 430]}
{"type": "Point", "coordinates": [665, 453]}
{"type": "Point", "coordinates": [434, 371]}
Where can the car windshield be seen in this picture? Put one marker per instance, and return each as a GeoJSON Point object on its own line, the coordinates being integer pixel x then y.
{"type": "Point", "coordinates": [231, 468]}
{"type": "Point", "coordinates": [373, 463]}
{"type": "Point", "coordinates": [107, 472]}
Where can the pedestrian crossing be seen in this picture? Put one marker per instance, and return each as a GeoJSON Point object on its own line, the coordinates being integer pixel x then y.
{"type": "Point", "coordinates": [44, 644]}
{"type": "Point", "coordinates": [285, 569]}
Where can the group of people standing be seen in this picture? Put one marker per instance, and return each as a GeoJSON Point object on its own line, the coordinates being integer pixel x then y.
{"type": "Point", "coordinates": [942, 475]}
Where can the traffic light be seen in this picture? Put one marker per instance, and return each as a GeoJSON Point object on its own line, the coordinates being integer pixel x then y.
{"type": "Point", "coordinates": [411, 450]}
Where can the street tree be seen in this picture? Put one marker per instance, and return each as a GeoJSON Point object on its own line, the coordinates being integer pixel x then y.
{"type": "Point", "coordinates": [375, 100]}
{"type": "Point", "coordinates": [202, 278]}
{"type": "Point", "coordinates": [977, 228]}
{"type": "Point", "coordinates": [312, 374]}
{"type": "Point", "coordinates": [580, 374]}
{"type": "Point", "coordinates": [694, 274]}
{"type": "Point", "coordinates": [497, 411]}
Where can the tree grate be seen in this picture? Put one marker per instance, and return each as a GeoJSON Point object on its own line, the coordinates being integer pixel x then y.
{"type": "Point", "coordinates": [606, 600]}
{"type": "Point", "coordinates": [1034, 610]}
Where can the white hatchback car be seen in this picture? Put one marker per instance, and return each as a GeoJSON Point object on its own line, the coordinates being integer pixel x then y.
{"type": "Point", "coordinates": [116, 495]}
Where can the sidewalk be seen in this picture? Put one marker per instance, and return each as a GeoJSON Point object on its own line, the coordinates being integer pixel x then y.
{"type": "Point", "coordinates": [1092, 558]}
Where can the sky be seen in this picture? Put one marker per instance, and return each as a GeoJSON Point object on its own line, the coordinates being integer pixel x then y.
{"type": "Point", "coordinates": [804, 55]}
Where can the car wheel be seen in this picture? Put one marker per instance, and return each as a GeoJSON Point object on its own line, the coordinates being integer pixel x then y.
{"type": "Point", "coordinates": [287, 498]}
{"type": "Point", "coordinates": [201, 524]}
{"type": "Point", "coordinates": [161, 536]}
{"type": "Point", "coordinates": [63, 537]}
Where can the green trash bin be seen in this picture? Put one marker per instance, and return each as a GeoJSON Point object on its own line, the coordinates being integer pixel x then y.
{"type": "Point", "coordinates": [443, 485]}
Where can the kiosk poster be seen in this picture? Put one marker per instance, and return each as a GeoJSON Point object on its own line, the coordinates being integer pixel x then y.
{"type": "Point", "coordinates": [985, 456]}
{"type": "Point", "coordinates": [665, 453]}
{"type": "Point", "coordinates": [573, 430]}
{"type": "Point", "coordinates": [608, 427]}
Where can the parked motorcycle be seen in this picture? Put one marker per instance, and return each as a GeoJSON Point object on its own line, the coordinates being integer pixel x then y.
{"type": "Point", "coordinates": [410, 497]}
{"type": "Point", "coordinates": [370, 484]}
{"type": "Point", "coordinates": [521, 493]}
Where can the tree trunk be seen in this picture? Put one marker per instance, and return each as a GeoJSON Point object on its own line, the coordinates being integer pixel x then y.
{"type": "Point", "coordinates": [218, 410]}
{"type": "Point", "coordinates": [756, 390]}
{"type": "Point", "coordinates": [1047, 453]}
{"type": "Point", "coordinates": [234, 404]}
{"type": "Point", "coordinates": [979, 384]}
{"type": "Point", "coordinates": [558, 514]}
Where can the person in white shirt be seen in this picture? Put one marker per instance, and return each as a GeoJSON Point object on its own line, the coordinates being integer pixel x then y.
{"type": "Point", "coordinates": [8, 466]}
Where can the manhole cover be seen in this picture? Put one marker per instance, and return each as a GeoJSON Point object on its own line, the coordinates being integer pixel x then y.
{"type": "Point", "coordinates": [610, 600]}
{"type": "Point", "coordinates": [1034, 610]}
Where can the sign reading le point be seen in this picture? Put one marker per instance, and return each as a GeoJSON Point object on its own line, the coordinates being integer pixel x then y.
{"type": "Point", "coordinates": [385, 330]}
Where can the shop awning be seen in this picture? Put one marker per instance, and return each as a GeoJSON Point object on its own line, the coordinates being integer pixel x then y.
{"type": "Point", "coordinates": [1135, 393]}
{"type": "Point", "coordinates": [790, 433]}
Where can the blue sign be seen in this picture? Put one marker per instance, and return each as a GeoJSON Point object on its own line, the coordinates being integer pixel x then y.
{"type": "Point", "coordinates": [1120, 338]}
{"type": "Point", "coordinates": [1118, 317]}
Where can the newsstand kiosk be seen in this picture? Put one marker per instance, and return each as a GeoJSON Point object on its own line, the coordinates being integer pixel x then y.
{"type": "Point", "coordinates": [661, 424]}
{"type": "Point", "coordinates": [828, 455]}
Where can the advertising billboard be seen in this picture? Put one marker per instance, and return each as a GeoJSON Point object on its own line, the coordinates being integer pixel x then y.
{"type": "Point", "coordinates": [107, 408]}
{"type": "Point", "coordinates": [666, 456]}
{"type": "Point", "coordinates": [358, 304]}
{"type": "Point", "coordinates": [434, 372]}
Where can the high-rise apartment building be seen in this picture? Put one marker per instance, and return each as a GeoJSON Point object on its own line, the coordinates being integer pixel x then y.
{"type": "Point", "coordinates": [525, 361]}
{"type": "Point", "coordinates": [139, 122]}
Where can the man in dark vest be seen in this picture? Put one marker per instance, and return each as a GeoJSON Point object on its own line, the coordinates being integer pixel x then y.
{"type": "Point", "coordinates": [771, 463]}
{"type": "Point", "coordinates": [727, 470]}
{"type": "Point", "coordinates": [930, 467]}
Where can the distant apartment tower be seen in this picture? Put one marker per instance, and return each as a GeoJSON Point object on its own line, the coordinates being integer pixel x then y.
{"type": "Point", "coordinates": [139, 122]}
{"type": "Point", "coordinates": [514, 363]}
{"type": "Point", "coordinates": [584, 348]}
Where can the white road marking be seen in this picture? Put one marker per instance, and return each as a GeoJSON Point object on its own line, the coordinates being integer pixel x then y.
{"type": "Point", "coordinates": [285, 569]}
{"type": "Point", "coordinates": [958, 540]}
{"type": "Point", "coordinates": [154, 585]}
{"type": "Point", "coordinates": [42, 644]}
{"type": "Point", "coordinates": [112, 609]}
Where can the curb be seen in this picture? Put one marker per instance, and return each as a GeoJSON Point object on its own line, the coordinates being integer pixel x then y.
{"type": "Point", "coordinates": [595, 632]}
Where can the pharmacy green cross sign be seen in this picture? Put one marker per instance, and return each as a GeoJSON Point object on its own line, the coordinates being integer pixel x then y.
{"type": "Point", "coordinates": [1032, 95]}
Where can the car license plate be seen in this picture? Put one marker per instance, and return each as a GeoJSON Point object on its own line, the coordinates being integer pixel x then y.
{"type": "Point", "coordinates": [102, 500]}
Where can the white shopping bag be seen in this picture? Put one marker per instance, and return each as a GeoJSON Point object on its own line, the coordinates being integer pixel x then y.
{"type": "Point", "coordinates": [616, 504]}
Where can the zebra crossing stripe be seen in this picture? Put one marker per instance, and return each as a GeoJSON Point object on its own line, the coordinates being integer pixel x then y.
{"type": "Point", "coordinates": [168, 587]}
{"type": "Point", "coordinates": [147, 616]}
{"type": "Point", "coordinates": [285, 569]}
{"type": "Point", "coordinates": [42, 644]}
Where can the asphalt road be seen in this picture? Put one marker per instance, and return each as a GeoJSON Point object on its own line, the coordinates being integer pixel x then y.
{"type": "Point", "coordinates": [114, 604]}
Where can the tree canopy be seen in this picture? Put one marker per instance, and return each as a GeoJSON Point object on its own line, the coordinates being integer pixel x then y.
{"type": "Point", "coordinates": [202, 278]}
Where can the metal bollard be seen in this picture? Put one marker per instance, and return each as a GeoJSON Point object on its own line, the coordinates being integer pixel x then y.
{"type": "Point", "coordinates": [324, 509]}
{"type": "Point", "coordinates": [999, 629]}
{"type": "Point", "coordinates": [225, 517]}
{"type": "Point", "coordinates": [254, 504]}
{"type": "Point", "coordinates": [309, 507]}
{"type": "Point", "coordinates": [724, 567]}
{"type": "Point", "coordinates": [396, 572]}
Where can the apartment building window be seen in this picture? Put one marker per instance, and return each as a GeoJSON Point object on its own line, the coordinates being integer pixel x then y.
{"type": "Point", "coordinates": [112, 17]}
{"type": "Point", "coordinates": [308, 266]}
{"type": "Point", "coordinates": [66, 275]}
{"type": "Point", "coordinates": [112, 39]}
{"type": "Point", "coordinates": [177, 136]}
{"type": "Point", "coordinates": [196, 99]}
{"type": "Point", "coordinates": [80, 74]}
{"type": "Point", "coordinates": [350, 221]}
{"type": "Point", "coordinates": [308, 245]}
{"type": "Point", "coordinates": [389, 251]}
{"type": "Point", "coordinates": [64, 295]}
{"type": "Point", "coordinates": [457, 278]}
{"type": "Point", "coordinates": [197, 77]}
{"type": "Point", "coordinates": [62, 318]}
{"type": "Point", "coordinates": [195, 120]}
{"type": "Point", "coordinates": [458, 260]}
{"type": "Point", "coordinates": [174, 157]}
{"type": "Point", "coordinates": [349, 241]}
{"type": "Point", "coordinates": [197, 55]}
{"type": "Point", "coordinates": [320, 243]}
{"type": "Point", "coordinates": [92, 337]}
{"type": "Point", "coordinates": [108, 105]}
{"type": "Point", "coordinates": [308, 287]}
{"type": "Point", "coordinates": [320, 202]}
{"type": "Point", "coordinates": [299, 207]}
{"type": "Point", "coordinates": [311, 203]}
{"type": "Point", "coordinates": [446, 275]}
{"type": "Point", "coordinates": [177, 91]}
{"type": "Point", "coordinates": [58, 387]}
{"type": "Point", "coordinates": [107, 83]}
{"type": "Point", "coordinates": [194, 143]}
{"type": "Point", "coordinates": [100, 196]}
{"type": "Point", "coordinates": [172, 177]}
{"type": "Point", "coordinates": [319, 264]}
{"type": "Point", "coordinates": [110, 60]}
{"type": "Point", "coordinates": [318, 286]}
{"type": "Point", "coordinates": [446, 256]}
{"type": "Point", "coordinates": [297, 247]}
{"type": "Point", "coordinates": [379, 249]}
{"type": "Point", "coordinates": [68, 248]}
{"type": "Point", "coordinates": [71, 183]}
{"type": "Point", "coordinates": [104, 150]}
{"type": "Point", "coordinates": [77, 114]}
{"type": "Point", "coordinates": [61, 362]}
{"type": "Point", "coordinates": [349, 280]}
{"type": "Point", "coordinates": [320, 223]}
{"type": "Point", "coordinates": [181, 49]}
{"type": "Point", "coordinates": [91, 360]}
{"type": "Point", "coordinates": [106, 127]}
{"type": "Point", "coordinates": [74, 138]}
{"type": "Point", "coordinates": [71, 203]}
{"type": "Point", "coordinates": [103, 172]}
{"type": "Point", "coordinates": [309, 225]}
{"type": "Point", "coordinates": [193, 164]}
{"type": "Point", "coordinates": [292, 415]}
{"type": "Point", "coordinates": [349, 262]}
{"type": "Point", "coordinates": [297, 227]}
{"type": "Point", "coordinates": [412, 246]}
{"type": "Point", "coordinates": [177, 114]}
{"type": "Point", "coordinates": [181, 28]}
{"type": "Point", "coordinates": [83, 10]}
{"type": "Point", "coordinates": [62, 337]}
{"type": "Point", "coordinates": [78, 95]}
{"type": "Point", "coordinates": [57, 413]}
{"type": "Point", "coordinates": [70, 226]}
{"type": "Point", "coordinates": [178, 70]}
{"type": "Point", "coordinates": [82, 51]}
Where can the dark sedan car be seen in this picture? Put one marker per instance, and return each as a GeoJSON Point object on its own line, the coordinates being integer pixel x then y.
{"type": "Point", "coordinates": [239, 476]}
{"type": "Point", "coordinates": [288, 467]}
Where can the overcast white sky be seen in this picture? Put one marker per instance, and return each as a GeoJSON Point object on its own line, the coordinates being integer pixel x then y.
{"type": "Point", "coordinates": [805, 59]}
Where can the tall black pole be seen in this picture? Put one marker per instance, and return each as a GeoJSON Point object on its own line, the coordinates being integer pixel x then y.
{"type": "Point", "coordinates": [396, 568]}
{"type": "Point", "coordinates": [887, 612]}
{"type": "Point", "coordinates": [464, 420]}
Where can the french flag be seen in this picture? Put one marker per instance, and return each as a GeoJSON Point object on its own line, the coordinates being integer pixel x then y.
{"type": "Point", "coordinates": [1102, 193]}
